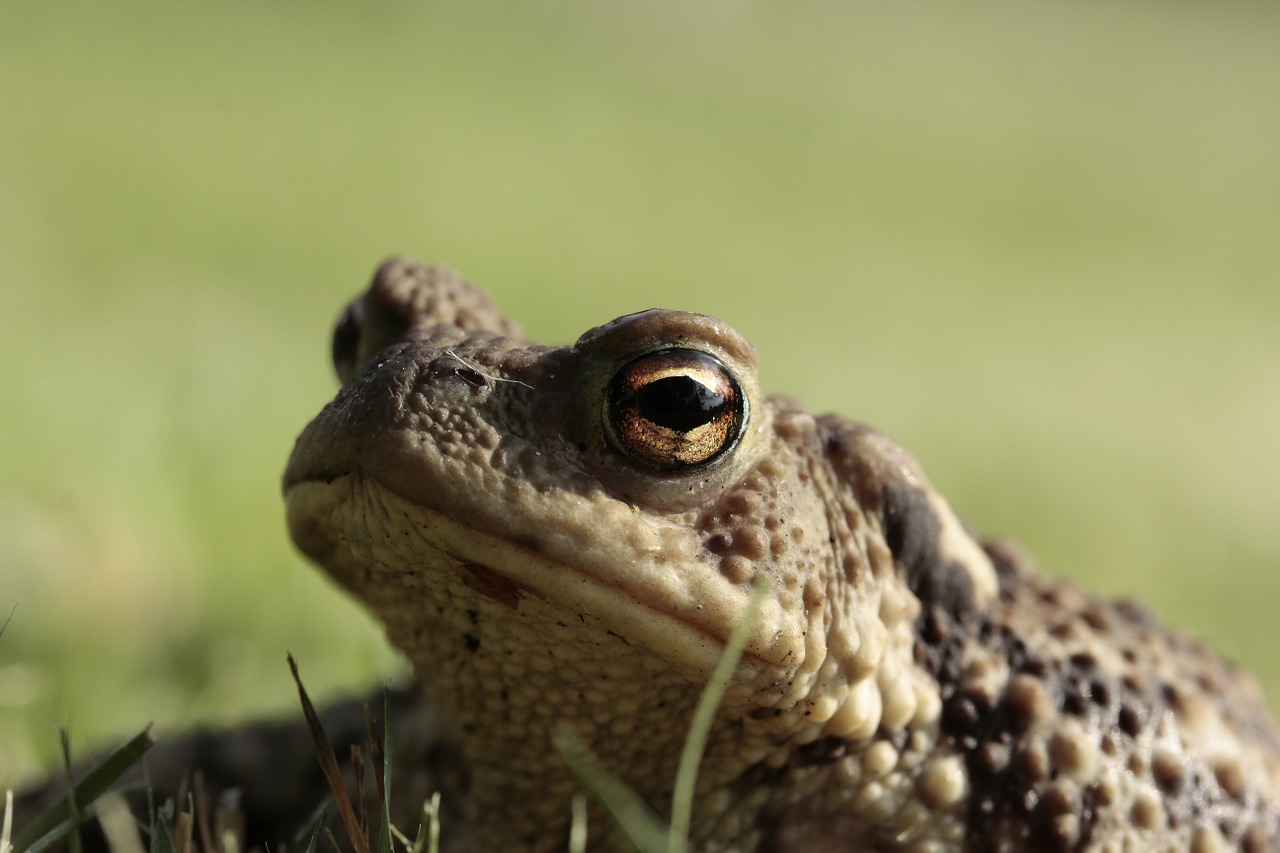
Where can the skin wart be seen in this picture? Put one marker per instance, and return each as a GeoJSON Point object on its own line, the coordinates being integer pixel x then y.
{"type": "Point", "coordinates": [571, 534]}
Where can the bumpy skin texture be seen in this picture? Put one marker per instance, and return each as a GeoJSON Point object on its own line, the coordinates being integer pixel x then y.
{"type": "Point", "coordinates": [906, 687]}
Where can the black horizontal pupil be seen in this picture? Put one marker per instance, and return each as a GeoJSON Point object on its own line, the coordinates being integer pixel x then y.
{"type": "Point", "coordinates": [679, 403]}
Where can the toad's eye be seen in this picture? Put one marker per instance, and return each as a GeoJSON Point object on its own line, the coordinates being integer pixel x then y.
{"type": "Point", "coordinates": [674, 409]}
{"type": "Point", "coordinates": [346, 341]}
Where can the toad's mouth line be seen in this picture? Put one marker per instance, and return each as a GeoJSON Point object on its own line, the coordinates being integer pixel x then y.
{"type": "Point", "coordinates": [500, 568]}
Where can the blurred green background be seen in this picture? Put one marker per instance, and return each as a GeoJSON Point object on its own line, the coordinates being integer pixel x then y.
{"type": "Point", "coordinates": [1036, 242]}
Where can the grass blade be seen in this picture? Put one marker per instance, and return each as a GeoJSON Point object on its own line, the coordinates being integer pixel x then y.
{"type": "Point", "coordinates": [55, 822]}
{"type": "Point", "coordinates": [162, 822]}
{"type": "Point", "coordinates": [384, 760]}
{"type": "Point", "coordinates": [313, 842]}
{"type": "Point", "coordinates": [73, 805]}
{"type": "Point", "coordinates": [628, 809]}
{"type": "Point", "coordinates": [578, 825]}
{"type": "Point", "coordinates": [8, 619]}
{"type": "Point", "coordinates": [6, 829]}
{"type": "Point", "coordinates": [428, 827]}
{"type": "Point", "coordinates": [119, 825]}
{"type": "Point", "coordinates": [381, 751]}
{"type": "Point", "coordinates": [329, 764]}
{"type": "Point", "coordinates": [703, 716]}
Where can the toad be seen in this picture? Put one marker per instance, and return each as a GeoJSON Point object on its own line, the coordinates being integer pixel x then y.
{"type": "Point", "coordinates": [570, 534]}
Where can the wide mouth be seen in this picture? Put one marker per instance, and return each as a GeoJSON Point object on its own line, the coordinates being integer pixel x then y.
{"type": "Point", "coordinates": [335, 516]}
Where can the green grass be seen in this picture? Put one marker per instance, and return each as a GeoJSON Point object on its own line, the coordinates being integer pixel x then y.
{"type": "Point", "coordinates": [640, 826]}
{"type": "Point", "coordinates": [173, 826]}
{"type": "Point", "coordinates": [1038, 244]}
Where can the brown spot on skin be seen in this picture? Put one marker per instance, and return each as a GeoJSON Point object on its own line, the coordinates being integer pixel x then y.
{"type": "Point", "coordinates": [1064, 831]}
{"type": "Point", "coordinates": [1028, 700]}
{"type": "Point", "coordinates": [1146, 813]}
{"type": "Point", "coordinates": [529, 542]}
{"type": "Point", "coordinates": [1072, 751]}
{"type": "Point", "coordinates": [752, 541]}
{"type": "Point", "coordinates": [1175, 698]}
{"type": "Point", "coordinates": [1104, 792]}
{"type": "Point", "coordinates": [1131, 720]}
{"type": "Point", "coordinates": [1032, 764]}
{"type": "Point", "coordinates": [490, 584]}
{"type": "Point", "coordinates": [992, 758]}
{"type": "Point", "coordinates": [960, 714]}
{"type": "Point", "coordinates": [1210, 682]}
{"type": "Point", "coordinates": [742, 504]}
{"type": "Point", "coordinates": [1254, 840]}
{"type": "Point", "coordinates": [779, 545]}
{"type": "Point", "coordinates": [1096, 617]}
{"type": "Point", "coordinates": [1206, 839]}
{"type": "Point", "coordinates": [1058, 815]}
{"type": "Point", "coordinates": [737, 568]}
{"type": "Point", "coordinates": [1166, 769]}
{"type": "Point", "coordinates": [815, 595]}
{"type": "Point", "coordinates": [853, 567]}
{"type": "Point", "coordinates": [1064, 630]}
{"type": "Point", "coordinates": [1230, 776]}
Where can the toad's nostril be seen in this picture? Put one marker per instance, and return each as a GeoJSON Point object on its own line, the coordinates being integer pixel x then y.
{"type": "Point", "coordinates": [449, 367]}
{"type": "Point", "coordinates": [470, 376]}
